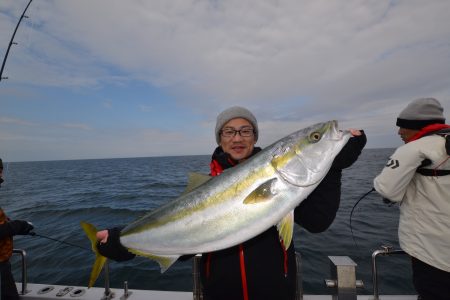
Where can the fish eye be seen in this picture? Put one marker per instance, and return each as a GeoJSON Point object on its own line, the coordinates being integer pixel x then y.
{"type": "Point", "coordinates": [315, 137]}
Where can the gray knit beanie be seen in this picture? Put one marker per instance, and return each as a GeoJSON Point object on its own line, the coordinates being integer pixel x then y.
{"type": "Point", "coordinates": [233, 113]}
{"type": "Point", "coordinates": [420, 113]}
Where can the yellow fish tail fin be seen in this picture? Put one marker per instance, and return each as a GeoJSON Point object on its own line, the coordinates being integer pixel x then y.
{"type": "Point", "coordinates": [100, 260]}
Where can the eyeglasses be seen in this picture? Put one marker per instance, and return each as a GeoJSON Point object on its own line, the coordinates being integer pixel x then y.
{"type": "Point", "coordinates": [231, 132]}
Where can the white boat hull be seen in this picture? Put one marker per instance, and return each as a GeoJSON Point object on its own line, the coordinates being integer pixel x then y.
{"type": "Point", "coordinates": [49, 292]}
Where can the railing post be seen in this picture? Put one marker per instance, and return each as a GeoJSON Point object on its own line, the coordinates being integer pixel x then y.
{"type": "Point", "coordinates": [108, 293]}
{"type": "Point", "coordinates": [23, 255]}
{"type": "Point", "coordinates": [197, 291]}
{"type": "Point", "coordinates": [385, 251]}
{"type": "Point", "coordinates": [299, 284]}
{"type": "Point", "coordinates": [343, 276]}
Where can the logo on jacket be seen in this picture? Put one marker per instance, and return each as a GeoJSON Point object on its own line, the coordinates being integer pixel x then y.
{"type": "Point", "coordinates": [392, 163]}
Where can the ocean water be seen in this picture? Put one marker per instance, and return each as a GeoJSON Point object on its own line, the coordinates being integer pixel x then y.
{"type": "Point", "coordinates": [56, 195]}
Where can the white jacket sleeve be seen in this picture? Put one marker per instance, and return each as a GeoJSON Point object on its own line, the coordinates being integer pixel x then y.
{"type": "Point", "coordinates": [395, 177]}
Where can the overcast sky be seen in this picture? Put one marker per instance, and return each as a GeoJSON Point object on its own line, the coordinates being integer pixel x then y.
{"type": "Point", "coordinates": [109, 78]}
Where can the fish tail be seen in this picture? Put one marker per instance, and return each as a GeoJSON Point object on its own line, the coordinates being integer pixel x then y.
{"type": "Point", "coordinates": [100, 260]}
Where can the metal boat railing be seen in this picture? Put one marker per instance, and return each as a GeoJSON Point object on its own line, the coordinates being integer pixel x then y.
{"type": "Point", "coordinates": [342, 272]}
{"type": "Point", "coordinates": [384, 251]}
{"type": "Point", "coordinates": [23, 255]}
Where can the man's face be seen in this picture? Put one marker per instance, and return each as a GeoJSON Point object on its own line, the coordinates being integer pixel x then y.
{"type": "Point", "coordinates": [407, 134]}
{"type": "Point", "coordinates": [237, 146]}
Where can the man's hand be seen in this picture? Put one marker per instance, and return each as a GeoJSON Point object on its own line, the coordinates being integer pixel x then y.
{"type": "Point", "coordinates": [388, 202]}
{"type": "Point", "coordinates": [20, 227]}
{"type": "Point", "coordinates": [109, 245]}
{"type": "Point", "coordinates": [355, 132]}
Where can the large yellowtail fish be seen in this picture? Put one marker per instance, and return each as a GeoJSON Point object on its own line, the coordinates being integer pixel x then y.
{"type": "Point", "coordinates": [219, 212]}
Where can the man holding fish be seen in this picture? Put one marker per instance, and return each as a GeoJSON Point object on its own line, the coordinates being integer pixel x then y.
{"type": "Point", "coordinates": [241, 216]}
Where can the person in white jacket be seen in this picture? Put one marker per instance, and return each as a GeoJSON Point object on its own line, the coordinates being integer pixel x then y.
{"type": "Point", "coordinates": [417, 176]}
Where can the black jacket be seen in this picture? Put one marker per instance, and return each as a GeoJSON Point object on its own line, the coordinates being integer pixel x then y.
{"type": "Point", "coordinates": [271, 271]}
{"type": "Point", "coordinates": [4, 231]}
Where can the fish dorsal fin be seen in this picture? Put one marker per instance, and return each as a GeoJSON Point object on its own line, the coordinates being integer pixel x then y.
{"type": "Point", "coordinates": [264, 192]}
{"type": "Point", "coordinates": [286, 228]}
{"type": "Point", "coordinates": [195, 180]}
{"type": "Point", "coordinates": [164, 261]}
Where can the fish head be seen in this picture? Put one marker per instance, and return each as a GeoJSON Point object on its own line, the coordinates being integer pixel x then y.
{"type": "Point", "coordinates": [304, 157]}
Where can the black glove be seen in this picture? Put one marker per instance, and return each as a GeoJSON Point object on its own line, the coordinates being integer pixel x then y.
{"type": "Point", "coordinates": [19, 227]}
{"type": "Point", "coordinates": [113, 249]}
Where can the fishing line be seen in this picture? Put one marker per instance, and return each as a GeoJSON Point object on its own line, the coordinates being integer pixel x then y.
{"type": "Point", "coordinates": [59, 241]}
{"type": "Point", "coordinates": [351, 213]}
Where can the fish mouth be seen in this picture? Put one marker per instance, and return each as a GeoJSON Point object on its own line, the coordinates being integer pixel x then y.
{"type": "Point", "coordinates": [342, 133]}
{"type": "Point", "coordinates": [336, 133]}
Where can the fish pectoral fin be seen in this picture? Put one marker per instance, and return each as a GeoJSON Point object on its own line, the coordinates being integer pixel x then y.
{"type": "Point", "coordinates": [286, 228]}
{"type": "Point", "coordinates": [100, 260]}
{"type": "Point", "coordinates": [264, 192]}
{"type": "Point", "coordinates": [164, 261]}
{"type": "Point", "coordinates": [195, 180]}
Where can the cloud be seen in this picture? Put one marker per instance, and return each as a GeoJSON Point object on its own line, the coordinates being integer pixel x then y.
{"type": "Point", "coordinates": [13, 121]}
{"type": "Point", "coordinates": [145, 108]}
{"type": "Point", "coordinates": [291, 62]}
{"type": "Point", "coordinates": [107, 104]}
{"type": "Point", "coordinates": [77, 126]}
{"type": "Point", "coordinates": [237, 49]}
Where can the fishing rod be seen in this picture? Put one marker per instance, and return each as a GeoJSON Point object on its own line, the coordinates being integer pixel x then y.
{"type": "Point", "coordinates": [11, 42]}
{"type": "Point", "coordinates": [56, 240]}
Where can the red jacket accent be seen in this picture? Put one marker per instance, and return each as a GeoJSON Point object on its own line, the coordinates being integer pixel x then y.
{"type": "Point", "coordinates": [6, 244]}
{"type": "Point", "coordinates": [428, 129]}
